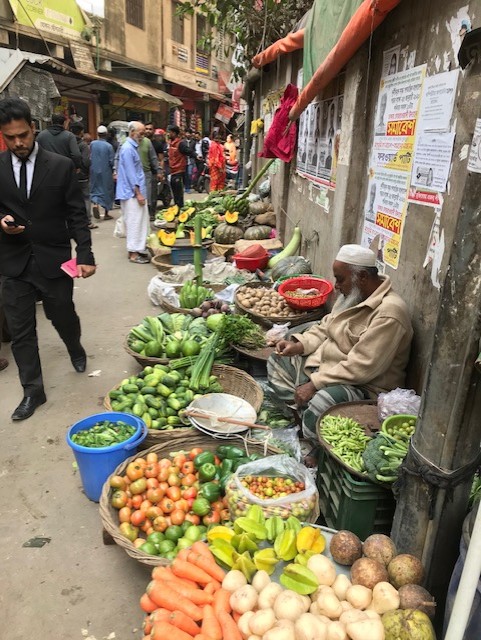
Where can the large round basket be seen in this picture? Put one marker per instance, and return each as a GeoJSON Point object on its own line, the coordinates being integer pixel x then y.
{"type": "Point", "coordinates": [109, 515]}
{"type": "Point", "coordinates": [144, 361]}
{"type": "Point", "coordinates": [171, 309]}
{"type": "Point", "coordinates": [233, 381]}
{"type": "Point", "coordinates": [162, 262]}
{"type": "Point", "coordinates": [269, 321]}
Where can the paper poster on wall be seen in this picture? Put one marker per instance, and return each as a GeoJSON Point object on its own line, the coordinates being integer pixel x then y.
{"type": "Point", "coordinates": [390, 61]}
{"type": "Point", "coordinates": [432, 161]}
{"type": "Point", "coordinates": [474, 161]}
{"type": "Point", "coordinates": [439, 92]}
{"type": "Point", "coordinates": [319, 134]}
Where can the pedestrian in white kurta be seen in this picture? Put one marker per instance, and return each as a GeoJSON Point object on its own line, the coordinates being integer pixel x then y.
{"type": "Point", "coordinates": [132, 193]}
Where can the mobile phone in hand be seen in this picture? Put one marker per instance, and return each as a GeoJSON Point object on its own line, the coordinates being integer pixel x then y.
{"type": "Point", "coordinates": [11, 223]}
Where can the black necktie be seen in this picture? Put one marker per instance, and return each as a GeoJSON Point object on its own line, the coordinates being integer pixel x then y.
{"type": "Point", "coordinates": [23, 179]}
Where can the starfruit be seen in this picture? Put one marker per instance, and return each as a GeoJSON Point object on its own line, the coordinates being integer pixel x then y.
{"type": "Point", "coordinates": [310, 539]}
{"type": "Point", "coordinates": [266, 560]}
{"type": "Point", "coordinates": [223, 551]}
{"type": "Point", "coordinates": [243, 542]}
{"type": "Point", "coordinates": [299, 579]}
{"type": "Point", "coordinates": [224, 533]}
{"type": "Point", "coordinates": [252, 528]}
{"type": "Point", "coordinates": [285, 545]}
{"type": "Point", "coordinates": [293, 523]}
{"type": "Point", "coordinates": [243, 562]}
{"type": "Point", "coordinates": [254, 512]}
{"type": "Point", "coordinates": [274, 527]}
{"type": "Point", "coordinates": [302, 558]}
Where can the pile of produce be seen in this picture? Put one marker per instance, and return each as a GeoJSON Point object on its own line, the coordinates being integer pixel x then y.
{"type": "Point", "coordinates": [103, 434]}
{"type": "Point", "coordinates": [265, 302]}
{"type": "Point", "coordinates": [171, 335]}
{"type": "Point", "coordinates": [241, 331]}
{"type": "Point", "coordinates": [172, 500]}
{"type": "Point", "coordinates": [379, 457]}
{"type": "Point", "coordinates": [192, 295]}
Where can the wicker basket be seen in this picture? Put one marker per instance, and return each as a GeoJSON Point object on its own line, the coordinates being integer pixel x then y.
{"type": "Point", "coordinates": [269, 321]}
{"type": "Point", "coordinates": [109, 515]}
{"type": "Point", "coordinates": [163, 263]}
{"type": "Point", "coordinates": [144, 361]}
{"type": "Point", "coordinates": [233, 381]}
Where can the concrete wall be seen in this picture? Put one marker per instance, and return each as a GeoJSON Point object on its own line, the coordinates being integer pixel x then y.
{"type": "Point", "coordinates": [427, 33]}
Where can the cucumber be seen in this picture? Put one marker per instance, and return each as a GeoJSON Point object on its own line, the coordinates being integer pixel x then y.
{"type": "Point", "coordinates": [148, 391]}
{"type": "Point", "coordinates": [289, 250]}
{"type": "Point", "coordinates": [115, 393]}
{"type": "Point", "coordinates": [130, 388]}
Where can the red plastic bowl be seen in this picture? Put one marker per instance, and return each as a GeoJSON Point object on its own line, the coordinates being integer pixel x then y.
{"type": "Point", "coordinates": [324, 288]}
{"type": "Point", "coordinates": [251, 264]}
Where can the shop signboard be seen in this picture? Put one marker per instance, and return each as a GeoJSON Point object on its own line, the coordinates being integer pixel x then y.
{"type": "Point", "coordinates": [60, 17]}
{"type": "Point", "coordinates": [224, 113]}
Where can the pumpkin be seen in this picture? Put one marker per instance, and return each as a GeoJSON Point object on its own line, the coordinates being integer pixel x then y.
{"type": "Point", "coordinates": [256, 208]}
{"type": "Point", "coordinates": [231, 217]}
{"type": "Point", "coordinates": [184, 216]}
{"type": "Point", "coordinates": [189, 211]}
{"type": "Point", "coordinates": [293, 266]}
{"type": "Point", "coordinates": [168, 239]}
{"type": "Point", "coordinates": [258, 232]}
{"type": "Point", "coordinates": [227, 233]}
{"type": "Point", "coordinates": [170, 213]}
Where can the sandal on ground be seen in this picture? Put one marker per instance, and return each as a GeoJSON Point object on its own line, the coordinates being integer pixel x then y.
{"type": "Point", "coordinates": [91, 225]}
{"type": "Point", "coordinates": [140, 260]}
{"type": "Point", "coordinates": [96, 212]}
{"type": "Point", "coordinates": [3, 364]}
{"type": "Point", "coordinates": [108, 217]}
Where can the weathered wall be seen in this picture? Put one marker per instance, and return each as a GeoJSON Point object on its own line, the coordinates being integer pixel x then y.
{"type": "Point", "coordinates": [427, 33]}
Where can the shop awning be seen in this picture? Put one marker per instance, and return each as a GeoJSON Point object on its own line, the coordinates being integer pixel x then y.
{"type": "Point", "coordinates": [142, 90]}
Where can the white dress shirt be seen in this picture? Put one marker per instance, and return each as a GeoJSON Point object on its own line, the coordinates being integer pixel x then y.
{"type": "Point", "coordinates": [17, 163]}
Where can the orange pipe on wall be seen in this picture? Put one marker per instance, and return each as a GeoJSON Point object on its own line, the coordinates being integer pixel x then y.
{"type": "Point", "coordinates": [292, 42]}
{"type": "Point", "coordinates": [368, 17]}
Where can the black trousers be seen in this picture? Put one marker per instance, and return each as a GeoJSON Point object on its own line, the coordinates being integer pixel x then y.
{"type": "Point", "coordinates": [20, 296]}
{"type": "Point", "coordinates": [177, 186]}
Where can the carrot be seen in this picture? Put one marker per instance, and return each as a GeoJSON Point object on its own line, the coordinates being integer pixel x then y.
{"type": "Point", "coordinates": [163, 630]}
{"type": "Point", "coordinates": [210, 588]}
{"type": "Point", "coordinates": [146, 604]}
{"type": "Point", "coordinates": [210, 624]}
{"type": "Point", "coordinates": [197, 596]}
{"type": "Point", "coordinates": [165, 573]}
{"type": "Point", "coordinates": [184, 569]}
{"type": "Point", "coordinates": [222, 602]}
{"type": "Point", "coordinates": [230, 631]}
{"type": "Point", "coordinates": [181, 621]}
{"type": "Point", "coordinates": [236, 616]}
{"type": "Point", "coordinates": [211, 568]}
{"type": "Point", "coordinates": [183, 553]}
{"type": "Point", "coordinates": [147, 626]}
{"type": "Point", "coordinates": [172, 600]}
{"type": "Point", "coordinates": [202, 549]}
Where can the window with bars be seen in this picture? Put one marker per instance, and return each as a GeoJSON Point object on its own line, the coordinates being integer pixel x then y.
{"type": "Point", "coordinates": [134, 10]}
{"type": "Point", "coordinates": [177, 23]}
{"type": "Point", "coordinates": [221, 45]}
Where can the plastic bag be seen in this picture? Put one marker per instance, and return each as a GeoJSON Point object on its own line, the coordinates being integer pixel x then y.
{"type": "Point", "coordinates": [304, 504]}
{"type": "Point", "coordinates": [119, 228]}
{"type": "Point", "coordinates": [159, 292]}
{"type": "Point", "coordinates": [286, 439]}
{"type": "Point", "coordinates": [398, 401]}
{"type": "Point", "coordinates": [277, 333]}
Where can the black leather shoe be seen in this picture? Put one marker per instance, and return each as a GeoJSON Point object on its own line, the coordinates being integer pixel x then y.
{"type": "Point", "coordinates": [79, 361]}
{"type": "Point", "coordinates": [28, 405]}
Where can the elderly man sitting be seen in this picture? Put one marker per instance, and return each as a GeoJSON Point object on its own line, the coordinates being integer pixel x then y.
{"type": "Point", "coordinates": [354, 353]}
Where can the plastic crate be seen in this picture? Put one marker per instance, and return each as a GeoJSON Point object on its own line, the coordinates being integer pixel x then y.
{"type": "Point", "coordinates": [185, 255]}
{"type": "Point", "coordinates": [346, 503]}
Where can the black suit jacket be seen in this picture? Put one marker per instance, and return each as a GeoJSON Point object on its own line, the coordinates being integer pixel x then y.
{"type": "Point", "coordinates": [53, 215]}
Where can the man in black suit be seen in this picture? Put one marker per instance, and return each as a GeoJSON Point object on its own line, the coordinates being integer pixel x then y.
{"type": "Point", "coordinates": [41, 211]}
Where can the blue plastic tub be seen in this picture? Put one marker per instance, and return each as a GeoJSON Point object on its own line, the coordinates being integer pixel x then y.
{"type": "Point", "coordinates": [96, 465]}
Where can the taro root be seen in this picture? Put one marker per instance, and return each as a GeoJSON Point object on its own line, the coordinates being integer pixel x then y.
{"type": "Point", "coordinates": [368, 573]}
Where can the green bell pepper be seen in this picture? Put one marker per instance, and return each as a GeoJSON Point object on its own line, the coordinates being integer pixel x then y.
{"type": "Point", "coordinates": [207, 472]}
{"type": "Point", "coordinates": [202, 458]}
{"type": "Point", "coordinates": [210, 491]}
{"type": "Point", "coordinates": [238, 462]}
{"type": "Point", "coordinates": [201, 506]}
{"type": "Point", "coordinates": [230, 452]}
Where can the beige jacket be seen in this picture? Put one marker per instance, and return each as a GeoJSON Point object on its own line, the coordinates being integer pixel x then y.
{"type": "Point", "coordinates": [367, 345]}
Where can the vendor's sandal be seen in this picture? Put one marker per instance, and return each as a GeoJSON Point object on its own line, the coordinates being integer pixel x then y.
{"type": "Point", "coordinates": [140, 260]}
{"type": "Point", "coordinates": [93, 226]}
{"type": "Point", "coordinates": [311, 460]}
{"type": "Point", "coordinates": [3, 364]}
{"type": "Point", "coordinates": [96, 212]}
{"type": "Point", "coordinates": [108, 217]}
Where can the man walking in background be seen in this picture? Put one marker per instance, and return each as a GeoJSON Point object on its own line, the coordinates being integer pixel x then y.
{"type": "Point", "coordinates": [150, 164]}
{"type": "Point", "coordinates": [84, 171]}
{"type": "Point", "coordinates": [178, 152]}
{"type": "Point", "coordinates": [161, 148]}
{"type": "Point", "coordinates": [58, 140]}
{"type": "Point", "coordinates": [132, 193]}
{"type": "Point", "coordinates": [42, 211]}
{"type": "Point", "coordinates": [102, 186]}
{"type": "Point", "coordinates": [189, 139]}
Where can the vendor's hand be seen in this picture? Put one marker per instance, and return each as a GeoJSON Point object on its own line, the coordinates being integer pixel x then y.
{"type": "Point", "coordinates": [140, 199]}
{"type": "Point", "coordinates": [11, 231]}
{"type": "Point", "coordinates": [86, 270]}
{"type": "Point", "coordinates": [304, 393]}
{"type": "Point", "coordinates": [289, 348]}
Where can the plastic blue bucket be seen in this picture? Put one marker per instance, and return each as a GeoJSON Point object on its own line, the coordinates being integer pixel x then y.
{"type": "Point", "coordinates": [96, 465]}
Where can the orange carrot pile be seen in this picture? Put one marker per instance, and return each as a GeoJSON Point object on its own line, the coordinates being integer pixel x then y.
{"type": "Point", "coordinates": [186, 601]}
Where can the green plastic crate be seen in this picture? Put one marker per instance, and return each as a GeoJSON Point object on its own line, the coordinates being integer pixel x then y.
{"type": "Point", "coordinates": [352, 504]}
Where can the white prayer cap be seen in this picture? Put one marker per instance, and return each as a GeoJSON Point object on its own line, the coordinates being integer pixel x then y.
{"type": "Point", "coordinates": [102, 129]}
{"type": "Point", "coordinates": [356, 255]}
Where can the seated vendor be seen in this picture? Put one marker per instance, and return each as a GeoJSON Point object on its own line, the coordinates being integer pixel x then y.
{"type": "Point", "coordinates": [354, 353]}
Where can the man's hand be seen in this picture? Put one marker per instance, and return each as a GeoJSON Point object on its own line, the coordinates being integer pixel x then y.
{"type": "Point", "coordinates": [140, 199]}
{"type": "Point", "coordinates": [86, 270]}
{"type": "Point", "coordinates": [11, 231]}
{"type": "Point", "coordinates": [304, 393]}
{"type": "Point", "coordinates": [289, 348]}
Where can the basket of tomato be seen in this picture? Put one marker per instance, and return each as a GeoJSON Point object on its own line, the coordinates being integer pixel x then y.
{"type": "Point", "coordinates": [159, 502]}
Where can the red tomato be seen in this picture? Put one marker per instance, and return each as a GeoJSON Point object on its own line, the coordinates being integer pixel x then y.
{"type": "Point", "coordinates": [152, 470]}
{"type": "Point", "coordinates": [225, 515]}
{"type": "Point", "coordinates": [212, 518]}
{"type": "Point", "coordinates": [127, 481]}
{"type": "Point", "coordinates": [160, 524]}
{"type": "Point", "coordinates": [149, 530]}
{"type": "Point", "coordinates": [191, 517]}
{"type": "Point", "coordinates": [164, 486]}
{"type": "Point", "coordinates": [155, 495]}
{"type": "Point", "coordinates": [182, 504]}
{"type": "Point", "coordinates": [138, 486]}
{"type": "Point", "coordinates": [190, 493]}
{"type": "Point", "coordinates": [163, 474]}
{"type": "Point", "coordinates": [135, 470]}
{"type": "Point", "coordinates": [146, 504]}
{"type": "Point", "coordinates": [189, 480]}
{"type": "Point", "coordinates": [136, 502]}
{"type": "Point", "coordinates": [147, 525]}
{"type": "Point", "coordinates": [166, 505]}
{"type": "Point", "coordinates": [173, 493]}
{"type": "Point", "coordinates": [124, 514]}
{"type": "Point", "coordinates": [152, 483]}
{"type": "Point", "coordinates": [179, 459]}
{"type": "Point", "coordinates": [151, 457]}
{"type": "Point", "coordinates": [119, 499]}
{"type": "Point", "coordinates": [195, 452]}
{"type": "Point", "coordinates": [117, 482]}
{"type": "Point", "coordinates": [137, 518]}
{"type": "Point", "coordinates": [153, 512]}
{"type": "Point", "coordinates": [173, 480]}
{"type": "Point", "coordinates": [165, 462]}
{"type": "Point", "coordinates": [177, 516]}
{"type": "Point", "coordinates": [217, 506]}
{"type": "Point", "coordinates": [187, 467]}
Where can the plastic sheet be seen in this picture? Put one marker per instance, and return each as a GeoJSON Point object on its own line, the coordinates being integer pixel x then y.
{"type": "Point", "coordinates": [398, 401]}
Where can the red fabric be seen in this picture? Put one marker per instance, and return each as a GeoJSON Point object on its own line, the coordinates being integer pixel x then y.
{"type": "Point", "coordinates": [177, 160]}
{"type": "Point", "coordinates": [278, 142]}
{"type": "Point", "coordinates": [216, 160]}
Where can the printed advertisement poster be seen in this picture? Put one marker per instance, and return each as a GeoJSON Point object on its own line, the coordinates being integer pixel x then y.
{"type": "Point", "coordinates": [474, 161]}
{"type": "Point", "coordinates": [439, 92]}
{"type": "Point", "coordinates": [390, 61]}
{"type": "Point", "coordinates": [319, 134]}
{"type": "Point", "coordinates": [60, 17]}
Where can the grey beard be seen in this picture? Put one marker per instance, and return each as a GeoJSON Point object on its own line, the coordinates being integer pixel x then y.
{"type": "Point", "coordinates": [347, 302]}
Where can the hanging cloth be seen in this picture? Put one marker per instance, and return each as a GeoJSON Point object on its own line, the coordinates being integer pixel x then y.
{"type": "Point", "coordinates": [278, 142]}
